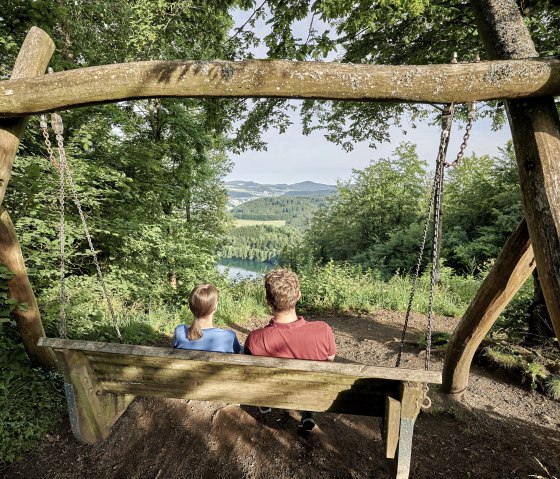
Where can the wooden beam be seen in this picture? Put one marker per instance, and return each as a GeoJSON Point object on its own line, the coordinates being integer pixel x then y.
{"type": "Point", "coordinates": [92, 413]}
{"type": "Point", "coordinates": [391, 426]}
{"type": "Point", "coordinates": [281, 79]}
{"type": "Point", "coordinates": [27, 313]}
{"type": "Point", "coordinates": [32, 60]}
{"type": "Point", "coordinates": [535, 127]}
{"type": "Point", "coordinates": [510, 271]}
{"type": "Point", "coordinates": [410, 399]}
{"type": "Point", "coordinates": [139, 354]}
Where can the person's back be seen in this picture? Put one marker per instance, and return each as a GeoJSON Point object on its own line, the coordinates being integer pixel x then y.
{"type": "Point", "coordinates": [202, 335]}
{"type": "Point", "coordinates": [288, 335]}
{"type": "Point", "coordinates": [299, 339]}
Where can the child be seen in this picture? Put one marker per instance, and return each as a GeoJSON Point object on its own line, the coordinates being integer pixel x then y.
{"type": "Point", "coordinates": [202, 335]}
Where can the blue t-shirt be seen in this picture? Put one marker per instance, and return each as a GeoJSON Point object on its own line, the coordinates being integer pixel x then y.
{"type": "Point", "coordinates": [213, 339]}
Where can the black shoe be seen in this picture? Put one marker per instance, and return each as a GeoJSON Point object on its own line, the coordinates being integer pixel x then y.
{"type": "Point", "coordinates": [307, 422]}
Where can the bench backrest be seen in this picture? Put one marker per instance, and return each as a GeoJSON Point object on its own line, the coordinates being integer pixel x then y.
{"type": "Point", "coordinates": [281, 383]}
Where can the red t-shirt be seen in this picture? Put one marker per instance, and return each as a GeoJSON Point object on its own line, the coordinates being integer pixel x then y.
{"type": "Point", "coordinates": [297, 340]}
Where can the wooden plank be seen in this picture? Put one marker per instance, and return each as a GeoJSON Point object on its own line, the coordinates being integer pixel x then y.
{"type": "Point", "coordinates": [511, 269]}
{"type": "Point", "coordinates": [535, 128]}
{"type": "Point", "coordinates": [32, 60]}
{"type": "Point", "coordinates": [411, 400]}
{"type": "Point", "coordinates": [175, 357]}
{"type": "Point", "coordinates": [344, 402]}
{"type": "Point", "coordinates": [391, 425]}
{"type": "Point", "coordinates": [446, 83]}
{"type": "Point", "coordinates": [245, 374]}
{"type": "Point", "coordinates": [92, 413]}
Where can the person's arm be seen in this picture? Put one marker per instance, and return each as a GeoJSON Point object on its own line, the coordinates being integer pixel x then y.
{"type": "Point", "coordinates": [236, 346]}
{"type": "Point", "coordinates": [332, 345]}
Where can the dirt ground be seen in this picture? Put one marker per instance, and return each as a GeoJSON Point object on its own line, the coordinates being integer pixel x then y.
{"type": "Point", "coordinates": [499, 432]}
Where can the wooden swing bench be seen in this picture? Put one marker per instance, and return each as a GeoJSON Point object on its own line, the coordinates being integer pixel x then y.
{"type": "Point", "coordinates": [101, 379]}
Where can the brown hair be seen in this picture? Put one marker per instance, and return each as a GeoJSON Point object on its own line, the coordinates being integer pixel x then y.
{"type": "Point", "coordinates": [282, 289]}
{"type": "Point", "coordinates": [202, 302]}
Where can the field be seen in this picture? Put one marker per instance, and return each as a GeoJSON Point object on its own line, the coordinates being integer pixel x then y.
{"type": "Point", "coordinates": [239, 222]}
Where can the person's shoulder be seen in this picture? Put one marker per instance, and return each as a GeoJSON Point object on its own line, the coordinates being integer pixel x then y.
{"type": "Point", "coordinates": [257, 332]}
{"type": "Point", "coordinates": [180, 328]}
{"type": "Point", "coordinates": [318, 325]}
{"type": "Point", "coordinates": [222, 332]}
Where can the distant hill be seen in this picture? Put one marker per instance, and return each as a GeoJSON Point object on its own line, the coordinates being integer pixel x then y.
{"type": "Point", "coordinates": [295, 210]}
{"type": "Point", "coordinates": [242, 191]}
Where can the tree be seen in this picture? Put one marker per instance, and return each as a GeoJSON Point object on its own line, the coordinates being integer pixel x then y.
{"type": "Point", "coordinates": [376, 203]}
{"type": "Point", "coordinates": [149, 172]}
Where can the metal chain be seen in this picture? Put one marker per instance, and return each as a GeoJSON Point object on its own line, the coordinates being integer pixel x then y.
{"type": "Point", "coordinates": [62, 330]}
{"type": "Point", "coordinates": [447, 119]}
{"type": "Point", "coordinates": [440, 168]}
{"type": "Point", "coordinates": [56, 122]}
{"type": "Point", "coordinates": [466, 136]}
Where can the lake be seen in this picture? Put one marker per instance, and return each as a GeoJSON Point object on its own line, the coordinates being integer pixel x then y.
{"type": "Point", "coordinates": [243, 268]}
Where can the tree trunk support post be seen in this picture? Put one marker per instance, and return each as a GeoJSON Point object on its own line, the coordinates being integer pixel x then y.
{"type": "Point", "coordinates": [535, 128]}
{"type": "Point", "coordinates": [32, 60]}
{"type": "Point", "coordinates": [510, 271]}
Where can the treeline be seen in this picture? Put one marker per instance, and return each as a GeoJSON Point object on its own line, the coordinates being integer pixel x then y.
{"type": "Point", "coordinates": [376, 218]}
{"type": "Point", "coordinates": [295, 210]}
{"type": "Point", "coordinates": [259, 242]}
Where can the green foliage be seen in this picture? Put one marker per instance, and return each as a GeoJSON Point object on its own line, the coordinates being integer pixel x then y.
{"type": "Point", "coordinates": [553, 387]}
{"type": "Point", "coordinates": [534, 372]}
{"type": "Point", "coordinates": [259, 242]}
{"type": "Point", "coordinates": [513, 320]}
{"type": "Point", "coordinates": [295, 210]}
{"type": "Point", "coordinates": [23, 390]}
{"type": "Point", "coordinates": [503, 359]}
{"type": "Point", "coordinates": [482, 205]}
{"type": "Point", "coordinates": [376, 204]}
{"type": "Point", "coordinates": [345, 287]}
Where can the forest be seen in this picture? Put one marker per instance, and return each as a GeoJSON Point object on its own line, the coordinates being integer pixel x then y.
{"type": "Point", "coordinates": [150, 177]}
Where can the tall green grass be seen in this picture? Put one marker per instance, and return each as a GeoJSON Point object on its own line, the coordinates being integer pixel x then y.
{"type": "Point", "coordinates": [344, 288]}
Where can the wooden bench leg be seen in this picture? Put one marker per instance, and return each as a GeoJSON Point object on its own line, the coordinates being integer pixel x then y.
{"type": "Point", "coordinates": [398, 433]}
{"type": "Point", "coordinates": [92, 412]}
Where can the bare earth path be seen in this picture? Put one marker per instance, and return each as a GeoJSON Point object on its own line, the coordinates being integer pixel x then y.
{"type": "Point", "coordinates": [497, 433]}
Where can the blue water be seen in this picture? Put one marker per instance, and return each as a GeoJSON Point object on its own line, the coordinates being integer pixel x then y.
{"type": "Point", "coordinates": [243, 268]}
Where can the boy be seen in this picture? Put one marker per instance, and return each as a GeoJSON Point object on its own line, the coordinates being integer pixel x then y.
{"type": "Point", "coordinates": [288, 335]}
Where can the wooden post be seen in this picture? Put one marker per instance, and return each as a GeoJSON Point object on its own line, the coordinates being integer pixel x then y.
{"type": "Point", "coordinates": [511, 269]}
{"type": "Point", "coordinates": [411, 398]}
{"type": "Point", "coordinates": [535, 128]}
{"type": "Point", "coordinates": [32, 60]}
{"type": "Point", "coordinates": [92, 411]}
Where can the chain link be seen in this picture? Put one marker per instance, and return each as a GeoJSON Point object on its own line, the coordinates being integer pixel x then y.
{"type": "Point", "coordinates": [466, 136]}
{"type": "Point", "coordinates": [62, 233]}
{"type": "Point", "coordinates": [66, 175]}
{"type": "Point", "coordinates": [447, 120]}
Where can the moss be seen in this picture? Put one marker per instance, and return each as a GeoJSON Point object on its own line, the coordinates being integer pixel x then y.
{"type": "Point", "coordinates": [502, 359]}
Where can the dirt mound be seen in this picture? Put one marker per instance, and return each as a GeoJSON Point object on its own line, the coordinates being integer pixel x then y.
{"type": "Point", "coordinates": [497, 433]}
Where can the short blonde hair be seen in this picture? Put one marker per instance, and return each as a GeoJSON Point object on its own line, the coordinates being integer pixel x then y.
{"type": "Point", "coordinates": [202, 302]}
{"type": "Point", "coordinates": [282, 289]}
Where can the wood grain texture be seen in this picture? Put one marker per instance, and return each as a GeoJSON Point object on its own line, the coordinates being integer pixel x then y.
{"type": "Point", "coordinates": [134, 354]}
{"type": "Point", "coordinates": [281, 79]}
{"type": "Point", "coordinates": [32, 60]}
{"type": "Point", "coordinates": [535, 127]}
{"type": "Point", "coordinates": [514, 265]}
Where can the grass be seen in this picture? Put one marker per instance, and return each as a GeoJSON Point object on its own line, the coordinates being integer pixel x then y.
{"type": "Point", "coordinates": [239, 222]}
{"type": "Point", "coordinates": [553, 387]}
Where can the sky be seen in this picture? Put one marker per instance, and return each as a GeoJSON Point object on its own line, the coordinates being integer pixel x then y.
{"type": "Point", "coordinates": [293, 157]}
